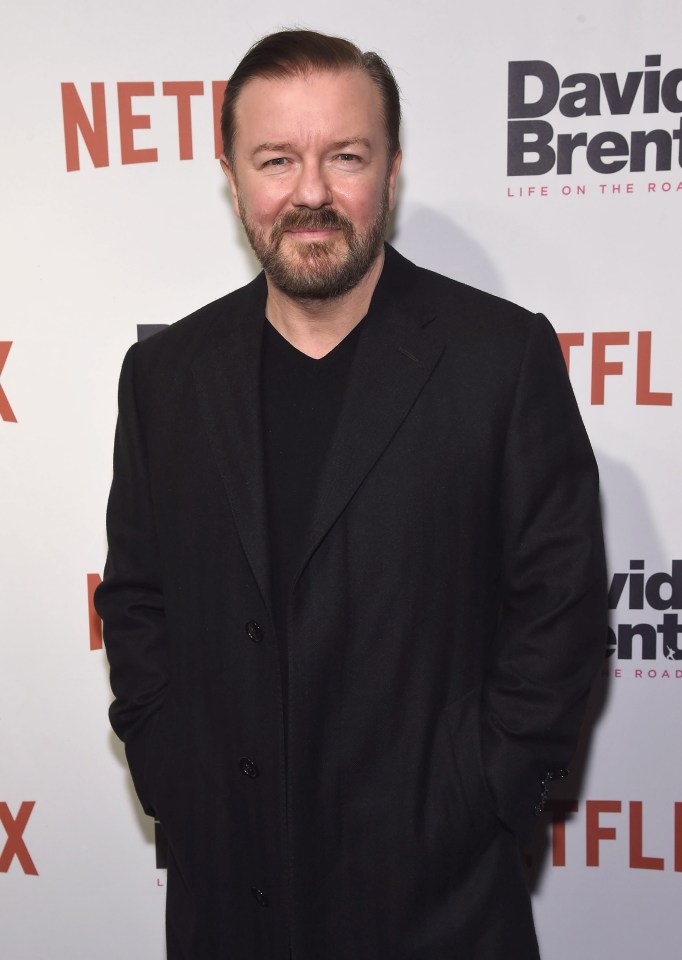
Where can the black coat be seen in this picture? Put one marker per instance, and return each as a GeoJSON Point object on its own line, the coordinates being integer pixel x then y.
{"type": "Point", "coordinates": [446, 623]}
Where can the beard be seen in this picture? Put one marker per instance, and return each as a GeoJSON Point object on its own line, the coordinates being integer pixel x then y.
{"type": "Point", "coordinates": [318, 269]}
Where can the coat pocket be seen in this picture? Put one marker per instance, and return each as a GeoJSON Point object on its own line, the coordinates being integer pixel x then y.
{"type": "Point", "coordinates": [473, 798]}
{"type": "Point", "coordinates": [144, 753]}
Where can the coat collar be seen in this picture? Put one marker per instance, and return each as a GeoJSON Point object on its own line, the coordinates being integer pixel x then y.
{"type": "Point", "coordinates": [395, 356]}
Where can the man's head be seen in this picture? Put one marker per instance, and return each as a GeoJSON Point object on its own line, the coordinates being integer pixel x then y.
{"type": "Point", "coordinates": [311, 137]}
{"type": "Point", "coordinates": [291, 53]}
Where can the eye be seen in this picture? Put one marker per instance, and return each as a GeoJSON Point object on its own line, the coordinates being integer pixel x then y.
{"type": "Point", "coordinates": [348, 157]}
{"type": "Point", "coordinates": [276, 162]}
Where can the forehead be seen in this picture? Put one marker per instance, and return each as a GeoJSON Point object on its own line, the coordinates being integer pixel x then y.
{"type": "Point", "coordinates": [320, 104]}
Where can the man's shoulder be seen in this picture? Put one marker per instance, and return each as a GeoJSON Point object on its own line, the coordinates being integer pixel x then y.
{"type": "Point", "coordinates": [206, 326]}
{"type": "Point", "coordinates": [489, 342]}
{"type": "Point", "coordinates": [460, 307]}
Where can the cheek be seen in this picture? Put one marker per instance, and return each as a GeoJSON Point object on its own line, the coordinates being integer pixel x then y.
{"type": "Point", "coordinates": [264, 205]}
{"type": "Point", "coordinates": [361, 206]}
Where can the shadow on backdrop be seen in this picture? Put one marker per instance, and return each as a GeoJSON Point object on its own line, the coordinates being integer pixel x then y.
{"type": "Point", "coordinates": [432, 240]}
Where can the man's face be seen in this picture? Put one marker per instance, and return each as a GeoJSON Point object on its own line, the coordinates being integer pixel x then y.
{"type": "Point", "coordinates": [311, 179]}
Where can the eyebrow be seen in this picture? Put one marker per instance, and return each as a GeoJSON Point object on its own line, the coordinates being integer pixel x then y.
{"type": "Point", "coordinates": [271, 146]}
{"type": "Point", "coordinates": [351, 141]}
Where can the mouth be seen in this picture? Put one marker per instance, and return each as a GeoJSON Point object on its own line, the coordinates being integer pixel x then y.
{"type": "Point", "coordinates": [313, 233]}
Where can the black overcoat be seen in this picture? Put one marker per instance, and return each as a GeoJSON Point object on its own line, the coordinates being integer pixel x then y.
{"type": "Point", "coordinates": [446, 623]}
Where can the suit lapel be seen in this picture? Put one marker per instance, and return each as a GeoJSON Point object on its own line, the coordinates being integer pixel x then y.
{"type": "Point", "coordinates": [396, 354]}
{"type": "Point", "coordinates": [227, 379]}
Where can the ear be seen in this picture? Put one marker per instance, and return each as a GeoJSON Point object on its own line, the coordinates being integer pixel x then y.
{"type": "Point", "coordinates": [227, 170]}
{"type": "Point", "coordinates": [393, 171]}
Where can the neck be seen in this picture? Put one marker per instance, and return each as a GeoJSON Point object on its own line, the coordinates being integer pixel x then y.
{"type": "Point", "coordinates": [316, 326]}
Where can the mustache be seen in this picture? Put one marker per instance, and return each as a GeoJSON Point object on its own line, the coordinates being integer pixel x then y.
{"type": "Point", "coordinates": [325, 219]}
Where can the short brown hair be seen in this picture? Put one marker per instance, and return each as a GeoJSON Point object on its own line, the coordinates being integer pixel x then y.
{"type": "Point", "coordinates": [298, 52]}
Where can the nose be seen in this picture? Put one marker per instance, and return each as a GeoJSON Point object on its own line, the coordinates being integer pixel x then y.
{"type": "Point", "coordinates": [312, 188]}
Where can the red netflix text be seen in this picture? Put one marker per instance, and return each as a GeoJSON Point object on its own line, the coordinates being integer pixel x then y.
{"type": "Point", "coordinates": [608, 361]}
{"type": "Point", "coordinates": [87, 118]}
{"type": "Point", "coordinates": [613, 821]}
{"type": "Point", "coordinates": [94, 622]}
{"type": "Point", "coordinates": [6, 412]}
{"type": "Point", "coordinates": [15, 845]}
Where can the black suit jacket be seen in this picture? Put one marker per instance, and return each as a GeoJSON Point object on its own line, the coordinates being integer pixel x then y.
{"type": "Point", "coordinates": [446, 623]}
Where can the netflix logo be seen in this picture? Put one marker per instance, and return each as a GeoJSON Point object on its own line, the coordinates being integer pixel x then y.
{"type": "Point", "coordinates": [93, 118]}
{"type": "Point", "coordinates": [608, 359]}
{"type": "Point", "coordinates": [598, 825]}
{"type": "Point", "coordinates": [94, 622]}
{"type": "Point", "coordinates": [15, 848]}
{"type": "Point", "coordinates": [6, 412]}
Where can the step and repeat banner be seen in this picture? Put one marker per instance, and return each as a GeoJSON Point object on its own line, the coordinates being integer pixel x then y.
{"type": "Point", "coordinates": [542, 162]}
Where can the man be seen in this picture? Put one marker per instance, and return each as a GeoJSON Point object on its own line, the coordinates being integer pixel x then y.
{"type": "Point", "coordinates": [355, 591]}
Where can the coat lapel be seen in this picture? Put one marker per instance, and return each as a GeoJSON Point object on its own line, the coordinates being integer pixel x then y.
{"type": "Point", "coordinates": [227, 378]}
{"type": "Point", "coordinates": [396, 354]}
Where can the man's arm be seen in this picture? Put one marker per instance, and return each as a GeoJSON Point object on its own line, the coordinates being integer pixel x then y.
{"type": "Point", "coordinates": [130, 600]}
{"type": "Point", "coordinates": [551, 633]}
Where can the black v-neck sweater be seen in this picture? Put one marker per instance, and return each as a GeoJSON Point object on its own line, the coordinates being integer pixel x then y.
{"type": "Point", "coordinates": [300, 403]}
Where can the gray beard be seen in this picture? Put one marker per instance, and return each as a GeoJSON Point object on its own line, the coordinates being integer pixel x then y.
{"type": "Point", "coordinates": [318, 274]}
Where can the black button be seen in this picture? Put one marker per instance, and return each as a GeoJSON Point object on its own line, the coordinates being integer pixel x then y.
{"type": "Point", "coordinates": [259, 896]}
{"type": "Point", "coordinates": [254, 631]}
{"type": "Point", "coordinates": [248, 767]}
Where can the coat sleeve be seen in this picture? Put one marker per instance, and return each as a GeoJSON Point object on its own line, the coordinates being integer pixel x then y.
{"type": "Point", "coordinates": [552, 626]}
{"type": "Point", "coordinates": [130, 598]}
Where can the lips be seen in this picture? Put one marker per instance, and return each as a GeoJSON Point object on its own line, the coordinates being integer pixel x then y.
{"type": "Point", "coordinates": [312, 234]}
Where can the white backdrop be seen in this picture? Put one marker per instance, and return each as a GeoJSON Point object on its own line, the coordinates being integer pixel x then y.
{"type": "Point", "coordinates": [91, 253]}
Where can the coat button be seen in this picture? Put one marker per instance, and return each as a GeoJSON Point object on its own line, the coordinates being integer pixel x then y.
{"type": "Point", "coordinates": [259, 896]}
{"type": "Point", "coordinates": [254, 631]}
{"type": "Point", "coordinates": [248, 767]}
